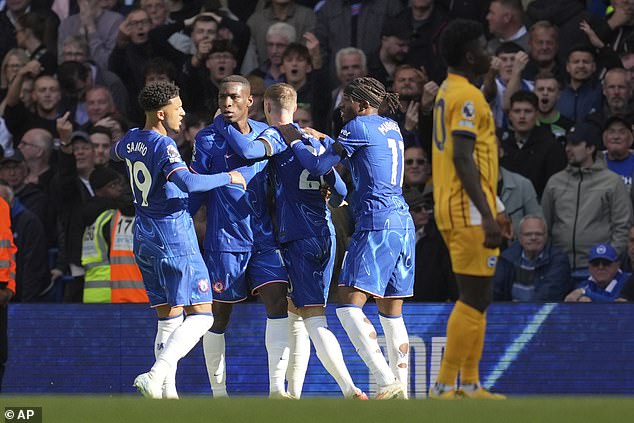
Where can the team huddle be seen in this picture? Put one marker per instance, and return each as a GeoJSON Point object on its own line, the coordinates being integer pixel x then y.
{"type": "Point", "coordinates": [290, 267]}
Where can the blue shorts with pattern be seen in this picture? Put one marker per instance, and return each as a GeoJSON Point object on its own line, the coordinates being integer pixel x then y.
{"type": "Point", "coordinates": [380, 263]}
{"type": "Point", "coordinates": [234, 274]}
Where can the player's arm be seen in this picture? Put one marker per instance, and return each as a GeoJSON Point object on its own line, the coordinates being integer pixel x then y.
{"type": "Point", "coordinates": [321, 164]}
{"type": "Point", "coordinates": [114, 155]}
{"type": "Point", "coordinates": [240, 143]}
{"type": "Point", "coordinates": [190, 182]}
{"type": "Point", "coordinates": [339, 190]}
{"type": "Point", "coordinates": [469, 175]}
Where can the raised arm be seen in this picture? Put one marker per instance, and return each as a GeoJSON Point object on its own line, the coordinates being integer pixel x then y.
{"type": "Point", "coordinates": [319, 165]}
{"type": "Point", "coordinates": [241, 144]}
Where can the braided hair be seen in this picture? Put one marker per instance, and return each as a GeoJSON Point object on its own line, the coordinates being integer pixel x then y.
{"type": "Point", "coordinates": [370, 90]}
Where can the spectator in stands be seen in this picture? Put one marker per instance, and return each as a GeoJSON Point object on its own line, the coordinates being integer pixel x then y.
{"type": "Point", "coordinates": [36, 146]}
{"type": "Point", "coordinates": [192, 124]}
{"type": "Point", "coordinates": [74, 80]}
{"type": "Point", "coordinates": [76, 161]}
{"type": "Point", "coordinates": [543, 46]}
{"type": "Point", "coordinates": [504, 79]}
{"type": "Point", "coordinates": [297, 68]}
{"type": "Point", "coordinates": [434, 279]}
{"type": "Point", "coordinates": [586, 203]}
{"type": "Point", "coordinates": [128, 58]}
{"type": "Point", "coordinates": [220, 63]}
{"type": "Point", "coordinates": [506, 23]}
{"type": "Point", "coordinates": [303, 116]}
{"type": "Point", "coordinates": [101, 139]}
{"type": "Point", "coordinates": [300, 17]}
{"type": "Point", "coordinates": [518, 196]}
{"type": "Point", "coordinates": [76, 49]}
{"type": "Point", "coordinates": [14, 10]}
{"type": "Point", "coordinates": [11, 64]}
{"type": "Point", "coordinates": [532, 269]}
{"type": "Point", "coordinates": [98, 26]}
{"type": "Point", "coordinates": [99, 106]}
{"type": "Point", "coordinates": [547, 88]}
{"type": "Point", "coordinates": [13, 171]}
{"type": "Point", "coordinates": [617, 94]}
{"type": "Point", "coordinates": [617, 140]}
{"type": "Point", "coordinates": [618, 27]}
{"type": "Point", "coordinates": [425, 20]}
{"type": "Point", "coordinates": [606, 279]}
{"type": "Point", "coordinates": [408, 84]}
{"type": "Point", "coordinates": [158, 13]}
{"type": "Point", "coordinates": [278, 37]}
{"type": "Point", "coordinates": [31, 260]}
{"type": "Point", "coordinates": [530, 150]}
{"type": "Point", "coordinates": [627, 61]}
{"type": "Point", "coordinates": [46, 98]}
{"type": "Point", "coordinates": [395, 38]}
{"type": "Point", "coordinates": [350, 63]}
{"type": "Point", "coordinates": [582, 93]}
{"type": "Point", "coordinates": [30, 29]}
{"type": "Point", "coordinates": [416, 170]}
{"type": "Point", "coordinates": [352, 24]}
{"type": "Point", "coordinates": [256, 111]}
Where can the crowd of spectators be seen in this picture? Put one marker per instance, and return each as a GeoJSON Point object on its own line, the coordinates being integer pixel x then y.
{"type": "Point", "coordinates": [560, 89]}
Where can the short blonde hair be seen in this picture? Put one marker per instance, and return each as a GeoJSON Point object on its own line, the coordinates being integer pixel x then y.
{"type": "Point", "coordinates": [282, 96]}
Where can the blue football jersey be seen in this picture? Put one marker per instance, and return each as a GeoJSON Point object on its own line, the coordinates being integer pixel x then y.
{"type": "Point", "coordinates": [237, 220]}
{"type": "Point", "coordinates": [150, 158]}
{"type": "Point", "coordinates": [161, 207]}
{"type": "Point", "coordinates": [301, 210]}
{"type": "Point", "coordinates": [374, 146]}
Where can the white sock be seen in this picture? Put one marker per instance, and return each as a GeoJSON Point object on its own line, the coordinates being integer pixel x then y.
{"type": "Point", "coordinates": [180, 342]}
{"type": "Point", "coordinates": [363, 337]}
{"type": "Point", "coordinates": [214, 349]}
{"type": "Point", "coordinates": [164, 329]}
{"type": "Point", "coordinates": [329, 353]}
{"type": "Point", "coordinates": [299, 348]}
{"type": "Point", "coordinates": [276, 341]}
{"type": "Point", "coordinates": [397, 348]}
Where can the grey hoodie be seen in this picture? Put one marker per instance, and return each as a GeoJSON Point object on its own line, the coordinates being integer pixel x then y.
{"type": "Point", "coordinates": [584, 207]}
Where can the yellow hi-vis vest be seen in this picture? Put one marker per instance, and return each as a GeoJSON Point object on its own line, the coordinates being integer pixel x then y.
{"type": "Point", "coordinates": [94, 258]}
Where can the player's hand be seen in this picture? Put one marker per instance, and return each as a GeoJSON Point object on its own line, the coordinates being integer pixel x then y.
{"type": "Point", "coordinates": [492, 233]}
{"type": "Point", "coordinates": [238, 179]}
{"type": "Point", "coordinates": [325, 191]}
{"type": "Point", "coordinates": [289, 133]}
{"type": "Point", "coordinates": [506, 226]}
{"type": "Point", "coordinates": [314, 133]}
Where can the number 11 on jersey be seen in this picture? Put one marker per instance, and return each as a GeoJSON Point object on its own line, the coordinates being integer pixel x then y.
{"type": "Point", "coordinates": [397, 160]}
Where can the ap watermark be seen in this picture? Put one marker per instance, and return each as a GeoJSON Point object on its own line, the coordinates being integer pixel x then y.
{"type": "Point", "coordinates": [23, 414]}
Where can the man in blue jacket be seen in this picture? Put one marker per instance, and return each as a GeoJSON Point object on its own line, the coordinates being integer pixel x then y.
{"type": "Point", "coordinates": [532, 269]}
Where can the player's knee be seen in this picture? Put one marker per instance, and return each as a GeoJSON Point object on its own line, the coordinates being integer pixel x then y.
{"type": "Point", "coordinates": [221, 321]}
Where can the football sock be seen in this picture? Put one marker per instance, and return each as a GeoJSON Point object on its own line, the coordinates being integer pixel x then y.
{"type": "Point", "coordinates": [329, 353]}
{"type": "Point", "coordinates": [299, 346]}
{"type": "Point", "coordinates": [463, 328]}
{"type": "Point", "coordinates": [214, 349]}
{"type": "Point", "coordinates": [165, 327]}
{"type": "Point", "coordinates": [470, 371]}
{"type": "Point", "coordinates": [397, 347]}
{"type": "Point", "coordinates": [180, 342]}
{"type": "Point", "coordinates": [276, 341]}
{"type": "Point", "coordinates": [364, 338]}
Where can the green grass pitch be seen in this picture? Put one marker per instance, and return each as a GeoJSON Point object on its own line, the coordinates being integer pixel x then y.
{"type": "Point", "coordinates": [97, 409]}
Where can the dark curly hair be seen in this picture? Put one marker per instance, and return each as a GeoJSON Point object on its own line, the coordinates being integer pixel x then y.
{"type": "Point", "coordinates": [373, 91]}
{"type": "Point", "coordinates": [157, 94]}
{"type": "Point", "coordinates": [456, 39]}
